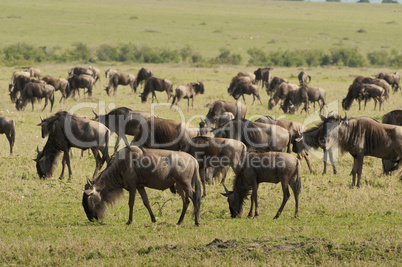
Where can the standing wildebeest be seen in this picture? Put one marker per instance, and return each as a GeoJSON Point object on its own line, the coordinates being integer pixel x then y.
{"type": "Point", "coordinates": [81, 81]}
{"type": "Point", "coordinates": [135, 168]}
{"type": "Point", "coordinates": [59, 84]}
{"type": "Point", "coordinates": [95, 73]}
{"type": "Point", "coordinates": [274, 85]}
{"type": "Point", "coordinates": [219, 121]}
{"type": "Point", "coordinates": [250, 75]}
{"type": "Point", "coordinates": [188, 91]}
{"type": "Point", "coordinates": [142, 75]}
{"type": "Point", "coordinates": [380, 82]}
{"type": "Point", "coordinates": [18, 74]}
{"type": "Point", "coordinates": [242, 88]}
{"type": "Point", "coordinates": [64, 131]}
{"type": "Point", "coordinates": [123, 121]}
{"type": "Point", "coordinates": [372, 91]}
{"type": "Point", "coordinates": [268, 167]}
{"type": "Point", "coordinates": [7, 127]}
{"type": "Point", "coordinates": [120, 79]}
{"type": "Point", "coordinates": [256, 135]}
{"type": "Point", "coordinates": [153, 84]}
{"type": "Point", "coordinates": [34, 91]}
{"type": "Point", "coordinates": [109, 73]}
{"type": "Point", "coordinates": [285, 92]}
{"type": "Point", "coordinates": [216, 153]}
{"type": "Point", "coordinates": [361, 137]}
{"type": "Point", "coordinates": [304, 78]}
{"type": "Point", "coordinates": [264, 75]}
{"type": "Point", "coordinates": [33, 72]}
{"type": "Point", "coordinates": [354, 92]}
{"type": "Point", "coordinates": [79, 71]}
{"type": "Point", "coordinates": [395, 118]}
{"type": "Point", "coordinates": [19, 85]}
{"type": "Point", "coordinates": [391, 79]}
{"type": "Point", "coordinates": [307, 94]}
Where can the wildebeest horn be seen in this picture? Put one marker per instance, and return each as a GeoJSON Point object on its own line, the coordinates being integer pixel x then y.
{"type": "Point", "coordinates": [37, 149]}
{"type": "Point", "coordinates": [41, 119]}
{"type": "Point", "coordinates": [93, 111]}
{"type": "Point", "coordinates": [329, 113]}
{"type": "Point", "coordinates": [227, 192]}
{"type": "Point", "coordinates": [345, 118]}
{"type": "Point", "coordinates": [89, 182]}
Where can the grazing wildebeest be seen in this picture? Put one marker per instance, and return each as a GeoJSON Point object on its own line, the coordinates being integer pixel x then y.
{"type": "Point", "coordinates": [142, 75]}
{"type": "Point", "coordinates": [188, 91]}
{"type": "Point", "coordinates": [123, 121]}
{"type": "Point", "coordinates": [34, 72]}
{"type": "Point", "coordinates": [153, 84]}
{"type": "Point", "coordinates": [134, 169]}
{"type": "Point", "coordinates": [238, 79]}
{"type": "Point", "coordinates": [264, 75]}
{"type": "Point", "coordinates": [120, 79]}
{"type": "Point", "coordinates": [274, 85]}
{"type": "Point", "coordinates": [372, 91]}
{"type": "Point", "coordinates": [354, 92]}
{"type": "Point", "coordinates": [285, 92]}
{"type": "Point", "coordinates": [307, 94]}
{"type": "Point", "coordinates": [81, 81]}
{"type": "Point", "coordinates": [256, 135]}
{"type": "Point", "coordinates": [19, 85]}
{"type": "Point", "coordinates": [95, 73]}
{"type": "Point", "coordinates": [109, 73]}
{"type": "Point", "coordinates": [7, 127]}
{"type": "Point", "coordinates": [380, 82]}
{"type": "Point", "coordinates": [267, 167]}
{"type": "Point", "coordinates": [361, 137]}
{"type": "Point", "coordinates": [19, 73]}
{"type": "Point", "coordinates": [295, 130]}
{"type": "Point", "coordinates": [391, 79]}
{"type": "Point", "coordinates": [304, 78]}
{"type": "Point", "coordinates": [164, 134]}
{"type": "Point", "coordinates": [65, 130]}
{"type": "Point", "coordinates": [216, 153]}
{"type": "Point", "coordinates": [34, 91]}
{"type": "Point", "coordinates": [59, 84]}
{"type": "Point", "coordinates": [242, 88]}
{"type": "Point", "coordinates": [395, 118]}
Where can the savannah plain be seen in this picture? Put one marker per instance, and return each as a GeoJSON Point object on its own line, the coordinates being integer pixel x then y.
{"type": "Point", "coordinates": [42, 222]}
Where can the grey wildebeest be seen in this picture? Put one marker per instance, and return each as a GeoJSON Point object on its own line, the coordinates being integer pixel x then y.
{"type": "Point", "coordinates": [286, 93]}
{"type": "Point", "coordinates": [18, 74]}
{"type": "Point", "coordinates": [81, 81]}
{"type": "Point", "coordinates": [19, 85]}
{"type": "Point", "coordinates": [304, 78]}
{"type": "Point", "coordinates": [216, 153]}
{"type": "Point", "coordinates": [242, 88]}
{"type": "Point", "coordinates": [238, 79]}
{"type": "Point", "coordinates": [188, 92]}
{"type": "Point", "coordinates": [109, 72]}
{"type": "Point", "coordinates": [7, 127]}
{"type": "Point", "coordinates": [361, 137]}
{"type": "Point", "coordinates": [380, 82]}
{"type": "Point", "coordinates": [80, 70]}
{"type": "Point", "coordinates": [64, 131]}
{"type": "Point", "coordinates": [59, 84]}
{"type": "Point", "coordinates": [120, 79]}
{"type": "Point", "coordinates": [372, 91]}
{"type": "Point", "coordinates": [34, 72]}
{"type": "Point", "coordinates": [134, 169]}
{"type": "Point", "coordinates": [392, 79]}
{"type": "Point", "coordinates": [142, 75]}
{"type": "Point", "coordinates": [354, 92]}
{"type": "Point", "coordinates": [34, 91]}
{"type": "Point", "coordinates": [274, 85]}
{"type": "Point", "coordinates": [95, 73]}
{"type": "Point", "coordinates": [307, 95]}
{"type": "Point", "coordinates": [395, 118]}
{"type": "Point", "coordinates": [267, 167]}
{"type": "Point", "coordinates": [264, 75]}
{"type": "Point", "coordinates": [153, 84]}
{"type": "Point", "coordinates": [255, 135]}
{"type": "Point", "coordinates": [123, 121]}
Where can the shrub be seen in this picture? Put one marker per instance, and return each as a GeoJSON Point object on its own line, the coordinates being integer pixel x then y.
{"type": "Point", "coordinates": [378, 58]}
{"type": "Point", "coordinates": [225, 57]}
{"type": "Point", "coordinates": [257, 57]}
{"type": "Point", "coordinates": [107, 53]}
{"type": "Point", "coordinates": [23, 52]}
{"type": "Point", "coordinates": [80, 51]}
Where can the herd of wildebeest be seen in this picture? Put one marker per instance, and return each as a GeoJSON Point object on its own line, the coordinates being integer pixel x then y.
{"type": "Point", "coordinates": [173, 154]}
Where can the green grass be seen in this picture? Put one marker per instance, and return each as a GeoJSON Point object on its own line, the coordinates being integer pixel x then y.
{"type": "Point", "coordinates": [43, 222]}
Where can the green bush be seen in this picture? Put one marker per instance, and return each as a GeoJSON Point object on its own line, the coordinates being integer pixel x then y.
{"type": "Point", "coordinates": [226, 57]}
{"type": "Point", "coordinates": [107, 53]}
{"type": "Point", "coordinates": [257, 57]}
{"type": "Point", "coordinates": [23, 52]}
{"type": "Point", "coordinates": [79, 52]}
{"type": "Point", "coordinates": [378, 58]}
{"type": "Point", "coordinates": [347, 57]}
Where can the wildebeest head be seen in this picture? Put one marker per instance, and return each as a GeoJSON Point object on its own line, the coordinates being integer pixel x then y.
{"type": "Point", "coordinates": [271, 103]}
{"type": "Point", "coordinates": [328, 136]}
{"type": "Point", "coordinates": [199, 88]}
{"type": "Point", "coordinates": [20, 104]}
{"type": "Point", "coordinates": [91, 201]}
{"type": "Point", "coordinates": [46, 163]}
{"type": "Point", "coordinates": [235, 203]}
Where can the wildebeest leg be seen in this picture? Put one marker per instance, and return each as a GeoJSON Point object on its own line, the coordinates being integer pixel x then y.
{"type": "Point", "coordinates": [45, 104]}
{"type": "Point", "coordinates": [116, 145]}
{"type": "Point", "coordinates": [145, 200]}
{"type": "Point", "coordinates": [354, 171]}
{"type": "Point", "coordinates": [307, 159]}
{"type": "Point", "coordinates": [296, 191]}
{"type": "Point", "coordinates": [131, 198]}
{"type": "Point", "coordinates": [254, 189]}
{"type": "Point", "coordinates": [359, 169]}
{"type": "Point", "coordinates": [245, 100]}
{"type": "Point", "coordinates": [10, 141]}
{"type": "Point", "coordinates": [259, 98]}
{"type": "Point", "coordinates": [32, 102]}
{"type": "Point", "coordinates": [202, 176]}
{"type": "Point", "coordinates": [375, 103]}
{"type": "Point", "coordinates": [324, 159]}
{"type": "Point", "coordinates": [185, 196]}
{"type": "Point", "coordinates": [154, 95]}
{"type": "Point", "coordinates": [286, 195]}
{"type": "Point", "coordinates": [98, 160]}
{"type": "Point", "coordinates": [331, 159]}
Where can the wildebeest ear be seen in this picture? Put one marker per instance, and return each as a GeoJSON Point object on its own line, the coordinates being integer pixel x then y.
{"type": "Point", "coordinates": [89, 182]}
{"type": "Point", "coordinates": [298, 139]}
{"type": "Point", "coordinates": [322, 117]}
{"type": "Point", "coordinates": [225, 194]}
{"type": "Point", "coordinates": [89, 191]}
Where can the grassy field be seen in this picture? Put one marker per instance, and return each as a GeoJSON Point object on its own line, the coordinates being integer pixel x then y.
{"type": "Point", "coordinates": [43, 223]}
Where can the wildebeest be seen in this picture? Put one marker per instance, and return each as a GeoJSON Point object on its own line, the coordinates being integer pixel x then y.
{"type": "Point", "coordinates": [188, 91]}
{"type": "Point", "coordinates": [380, 82]}
{"type": "Point", "coordinates": [361, 137]}
{"type": "Point", "coordinates": [264, 75]}
{"type": "Point", "coordinates": [395, 118]}
{"type": "Point", "coordinates": [134, 169]}
{"type": "Point", "coordinates": [59, 84]}
{"type": "Point", "coordinates": [7, 127]}
{"type": "Point", "coordinates": [120, 79]}
{"type": "Point", "coordinates": [153, 84]}
{"type": "Point", "coordinates": [95, 73]}
{"type": "Point", "coordinates": [109, 72]}
{"type": "Point", "coordinates": [81, 81]}
{"type": "Point", "coordinates": [307, 95]}
{"type": "Point", "coordinates": [34, 91]}
{"type": "Point", "coordinates": [372, 91]}
{"type": "Point", "coordinates": [79, 71]}
{"type": "Point", "coordinates": [123, 121]}
{"type": "Point", "coordinates": [65, 130]}
{"type": "Point", "coordinates": [256, 135]}
{"type": "Point", "coordinates": [274, 85]}
{"type": "Point", "coordinates": [391, 79]}
{"type": "Point", "coordinates": [34, 72]}
{"type": "Point", "coordinates": [285, 92]}
{"type": "Point", "coordinates": [216, 153]}
{"type": "Point", "coordinates": [236, 80]}
{"type": "Point", "coordinates": [247, 74]}
{"type": "Point", "coordinates": [18, 74]}
{"type": "Point", "coordinates": [19, 84]}
{"type": "Point", "coordinates": [142, 75]}
{"type": "Point", "coordinates": [268, 167]}
{"type": "Point", "coordinates": [354, 92]}
{"type": "Point", "coordinates": [304, 78]}
{"type": "Point", "coordinates": [219, 121]}
{"type": "Point", "coordinates": [242, 88]}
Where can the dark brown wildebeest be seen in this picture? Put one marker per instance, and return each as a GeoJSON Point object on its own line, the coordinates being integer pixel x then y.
{"type": "Point", "coordinates": [153, 84]}
{"type": "Point", "coordinates": [256, 135]}
{"type": "Point", "coordinates": [285, 92]}
{"type": "Point", "coordinates": [372, 91]}
{"type": "Point", "coordinates": [354, 92]}
{"type": "Point", "coordinates": [188, 91]}
{"type": "Point", "coordinates": [79, 71]}
{"type": "Point", "coordinates": [64, 131]}
{"type": "Point", "coordinates": [18, 74]}
{"type": "Point", "coordinates": [81, 81]}
{"type": "Point", "coordinates": [295, 130]}
{"type": "Point", "coordinates": [395, 118]}
{"type": "Point", "coordinates": [304, 78]}
{"type": "Point", "coordinates": [250, 75]}
{"type": "Point", "coordinates": [307, 94]}
{"type": "Point", "coordinates": [123, 121]}
{"type": "Point", "coordinates": [274, 85]}
{"type": "Point", "coordinates": [7, 127]}
{"type": "Point", "coordinates": [134, 169]}
{"type": "Point", "coordinates": [267, 167]}
{"type": "Point", "coordinates": [59, 84]}
{"type": "Point", "coordinates": [264, 75]}
{"type": "Point", "coordinates": [242, 88]}
{"type": "Point", "coordinates": [219, 121]}
{"type": "Point", "coordinates": [34, 72]}
{"type": "Point", "coordinates": [34, 91]}
{"type": "Point", "coordinates": [216, 153]}
{"type": "Point", "coordinates": [109, 73]}
{"type": "Point", "coordinates": [19, 85]}
{"type": "Point", "coordinates": [120, 79]}
{"type": "Point", "coordinates": [361, 137]}
{"type": "Point", "coordinates": [380, 82]}
{"type": "Point", "coordinates": [142, 75]}
{"type": "Point", "coordinates": [95, 73]}
{"type": "Point", "coordinates": [238, 79]}
{"type": "Point", "coordinates": [391, 79]}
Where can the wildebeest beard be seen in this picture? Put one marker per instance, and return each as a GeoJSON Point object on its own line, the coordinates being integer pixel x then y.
{"type": "Point", "coordinates": [46, 161]}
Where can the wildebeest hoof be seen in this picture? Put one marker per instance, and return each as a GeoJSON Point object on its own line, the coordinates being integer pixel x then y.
{"type": "Point", "coordinates": [128, 223]}
{"type": "Point", "coordinates": [61, 178]}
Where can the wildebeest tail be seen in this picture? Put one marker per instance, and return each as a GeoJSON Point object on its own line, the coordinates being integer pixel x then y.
{"type": "Point", "coordinates": [105, 152]}
{"type": "Point", "coordinates": [197, 195]}
{"type": "Point", "coordinates": [174, 99]}
{"type": "Point", "coordinates": [297, 182]}
{"type": "Point", "coordinates": [12, 133]}
{"type": "Point", "coordinates": [289, 143]}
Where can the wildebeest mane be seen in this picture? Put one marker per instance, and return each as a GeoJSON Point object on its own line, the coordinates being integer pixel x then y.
{"type": "Point", "coordinates": [241, 187]}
